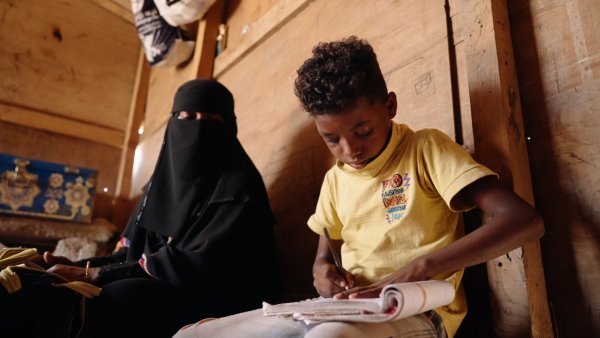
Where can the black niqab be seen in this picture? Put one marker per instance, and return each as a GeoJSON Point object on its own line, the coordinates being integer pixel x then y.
{"type": "Point", "coordinates": [193, 156]}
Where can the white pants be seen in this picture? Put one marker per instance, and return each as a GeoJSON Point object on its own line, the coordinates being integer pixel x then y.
{"type": "Point", "coordinates": [254, 324]}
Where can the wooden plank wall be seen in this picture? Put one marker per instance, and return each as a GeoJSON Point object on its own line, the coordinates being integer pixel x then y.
{"type": "Point", "coordinates": [557, 51]}
{"type": "Point", "coordinates": [67, 70]}
{"type": "Point", "coordinates": [67, 82]}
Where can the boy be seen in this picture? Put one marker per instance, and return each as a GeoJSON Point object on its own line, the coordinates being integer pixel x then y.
{"type": "Point", "coordinates": [392, 199]}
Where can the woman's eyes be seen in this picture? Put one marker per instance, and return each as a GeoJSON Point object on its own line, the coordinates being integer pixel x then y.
{"type": "Point", "coordinates": [184, 115]}
{"type": "Point", "coordinates": [332, 140]}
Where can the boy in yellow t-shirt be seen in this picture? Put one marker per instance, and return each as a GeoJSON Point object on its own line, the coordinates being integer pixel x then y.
{"type": "Point", "coordinates": [391, 201]}
{"type": "Point", "coordinates": [394, 195]}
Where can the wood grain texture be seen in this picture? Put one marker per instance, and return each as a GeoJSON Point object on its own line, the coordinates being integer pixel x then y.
{"type": "Point", "coordinates": [253, 33]}
{"type": "Point", "coordinates": [516, 279]}
{"type": "Point", "coordinates": [56, 58]}
{"type": "Point", "coordinates": [122, 9]}
{"type": "Point", "coordinates": [557, 52]}
{"type": "Point", "coordinates": [241, 16]}
{"type": "Point", "coordinates": [61, 125]}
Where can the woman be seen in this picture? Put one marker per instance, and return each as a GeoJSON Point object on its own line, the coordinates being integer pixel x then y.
{"type": "Point", "coordinates": [200, 242]}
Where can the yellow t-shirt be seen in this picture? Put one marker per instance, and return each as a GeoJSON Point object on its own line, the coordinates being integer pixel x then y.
{"type": "Point", "coordinates": [399, 207]}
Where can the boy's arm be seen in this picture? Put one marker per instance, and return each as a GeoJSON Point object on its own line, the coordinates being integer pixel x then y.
{"type": "Point", "coordinates": [327, 280]}
{"type": "Point", "coordinates": [509, 222]}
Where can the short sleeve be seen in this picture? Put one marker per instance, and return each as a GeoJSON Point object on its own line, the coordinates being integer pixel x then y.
{"type": "Point", "coordinates": [325, 215]}
{"type": "Point", "coordinates": [450, 168]}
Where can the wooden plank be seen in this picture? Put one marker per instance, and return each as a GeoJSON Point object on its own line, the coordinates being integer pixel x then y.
{"type": "Point", "coordinates": [271, 21]}
{"type": "Point", "coordinates": [241, 16]}
{"type": "Point", "coordinates": [206, 40]}
{"type": "Point", "coordinates": [117, 8]}
{"type": "Point", "coordinates": [555, 43]}
{"type": "Point", "coordinates": [136, 118]}
{"type": "Point", "coordinates": [68, 57]}
{"type": "Point", "coordinates": [60, 125]}
{"type": "Point", "coordinates": [462, 83]}
{"type": "Point", "coordinates": [522, 306]}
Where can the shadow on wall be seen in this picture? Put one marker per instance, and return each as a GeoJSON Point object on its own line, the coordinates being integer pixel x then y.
{"type": "Point", "coordinates": [293, 178]}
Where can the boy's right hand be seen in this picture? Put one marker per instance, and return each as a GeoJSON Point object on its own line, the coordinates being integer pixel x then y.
{"type": "Point", "coordinates": [328, 281]}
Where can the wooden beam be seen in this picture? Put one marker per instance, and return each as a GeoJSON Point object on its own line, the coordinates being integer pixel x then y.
{"type": "Point", "coordinates": [136, 118]}
{"type": "Point", "coordinates": [270, 22]}
{"type": "Point", "coordinates": [61, 125]}
{"type": "Point", "coordinates": [500, 144]}
{"type": "Point", "coordinates": [206, 40]}
{"type": "Point", "coordinates": [124, 13]}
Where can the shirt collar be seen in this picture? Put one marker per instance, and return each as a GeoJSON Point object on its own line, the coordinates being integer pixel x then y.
{"type": "Point", "coordinates": [374, 167]}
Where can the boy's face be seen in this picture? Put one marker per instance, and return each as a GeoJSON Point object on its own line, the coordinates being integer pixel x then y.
{"type": "Point", "coordinates": [357, 135]}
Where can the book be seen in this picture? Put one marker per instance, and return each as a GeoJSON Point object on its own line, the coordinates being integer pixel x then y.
{"type": "Point", "coordinates": [396, 301]}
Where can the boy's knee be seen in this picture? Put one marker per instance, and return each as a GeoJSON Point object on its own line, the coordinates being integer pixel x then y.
{"type": "Point", "coordinates": [336, 330]}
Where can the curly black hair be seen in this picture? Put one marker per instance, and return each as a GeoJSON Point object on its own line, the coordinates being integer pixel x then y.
{"type": "Point", "coordinates": [337, 75]}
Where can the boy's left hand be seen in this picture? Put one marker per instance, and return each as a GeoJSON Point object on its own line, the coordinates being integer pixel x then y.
{"type": "Point", "coordinates": [370, 291]}
{"type": "Point", "coordinates": [409, 273]}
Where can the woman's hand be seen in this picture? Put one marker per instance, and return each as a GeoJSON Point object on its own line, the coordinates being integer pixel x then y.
{"type": "Point", "coordinates": [51, 260]}
{"type": "Point", "coordinates": [47, 260]}
{"type": "Point", "coordinates": [75, 273]}
{"type": "Point", "coordinates": [37, 262]}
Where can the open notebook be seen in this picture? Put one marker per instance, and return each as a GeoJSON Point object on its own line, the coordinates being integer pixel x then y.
{"type": "Point", "coordinates": [395, 302]}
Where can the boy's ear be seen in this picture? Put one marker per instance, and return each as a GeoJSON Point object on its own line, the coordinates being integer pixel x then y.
{"type": "Point", "coordinates": [391, 104]}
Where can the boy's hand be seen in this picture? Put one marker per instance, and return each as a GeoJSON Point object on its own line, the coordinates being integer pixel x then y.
{"type": "Point", "coordinates": [409, 273]}
{"type": "Point", "coordinates": [328, 281]}
{"type": "Point", "coordinates": [370, 291]}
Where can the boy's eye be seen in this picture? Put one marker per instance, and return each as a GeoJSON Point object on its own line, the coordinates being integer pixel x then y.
{"type": "Point", "coordinates": [363, 132]}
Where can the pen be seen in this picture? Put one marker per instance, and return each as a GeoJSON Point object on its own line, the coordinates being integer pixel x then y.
{"type": "Point", "coordinates": [336, 259]}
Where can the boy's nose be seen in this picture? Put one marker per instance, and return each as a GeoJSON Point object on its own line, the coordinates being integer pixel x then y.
{"type": "Point", "coordinates": [351, 148]}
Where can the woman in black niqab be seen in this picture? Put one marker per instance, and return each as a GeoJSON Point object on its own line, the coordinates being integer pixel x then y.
{"type": "Point", "coordinates": [200, 242]}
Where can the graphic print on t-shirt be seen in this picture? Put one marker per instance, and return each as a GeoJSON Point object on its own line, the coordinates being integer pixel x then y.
{"type": "Point", "coordinates": [393, 196]}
